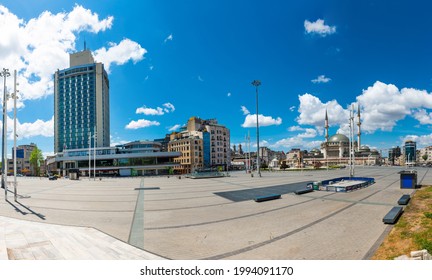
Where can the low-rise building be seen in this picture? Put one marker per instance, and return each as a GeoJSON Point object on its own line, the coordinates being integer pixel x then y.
{"type": "Point", "coordinates": [191, 148]}
{"type": "Point", "coordinates": [132, 159]}
{"type": "Point", "coordinates": [425, 156]}
{"type": "Point", "coordinates": [23, 153]}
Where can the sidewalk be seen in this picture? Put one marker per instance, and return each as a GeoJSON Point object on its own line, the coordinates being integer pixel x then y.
{"type": "Point", "coordinates": [26, 240]}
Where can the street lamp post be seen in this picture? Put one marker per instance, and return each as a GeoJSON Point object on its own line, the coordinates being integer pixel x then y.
{"type": "Point", "coordinates": [89, 155]}
{"type": "Point", "coordinates": [94, 170]}
{"type": "Point", "coordinates": [15, 97]}
{"type": "Point", "coordinates": [5, 73]}
{"type": "Point", "coordinates": [256, 84]}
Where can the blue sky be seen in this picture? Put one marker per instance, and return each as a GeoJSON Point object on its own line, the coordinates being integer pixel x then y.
{"type": "Point", "coordinates": [170, 60]}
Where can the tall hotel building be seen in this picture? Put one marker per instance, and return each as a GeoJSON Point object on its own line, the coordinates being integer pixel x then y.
{"type": "Point", "coordinates": [81, 104]}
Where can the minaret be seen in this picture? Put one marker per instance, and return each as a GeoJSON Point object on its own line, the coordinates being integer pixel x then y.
{"type": "Point", "coordinates": [326, 126]}
{"type": "Point", "coordinates": [359, 130]}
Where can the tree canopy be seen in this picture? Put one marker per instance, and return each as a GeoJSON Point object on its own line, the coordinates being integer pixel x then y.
{"type": "Point", "coordinates": [36, 159]}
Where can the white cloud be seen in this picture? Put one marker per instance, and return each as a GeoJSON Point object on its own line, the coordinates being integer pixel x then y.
{"type": "Point", "coordinates": [309, 133]}
{"type": "Point", "coordinates": [422, 116]}
{"type": "Point", "coordinates": [245, 110]}
{"type": "Point", "coordinates": [250, 121]}
{"type": "Point", "coordinates": [167, 108]}
{"type": "Point", "coordinates": [384, 105]}
{"type": "Point", "coordinates": [295, 128]}
{"type": "Point", "coordinates": [200, 79]}
{"type": "Point", "coordinates": [141, 124]}
{"type": "Point", "coordinates": [114, 141]}
{"type": "Point", "coordinates": [319, 27]}
{"type": "Point", "coordinates": [41, 45]}
{"type": "Point", "coordinates": [120, 53]}
{"type": "Point", "coordinates": [28, 130]}
{"type": "Point", "coordinates": [296, 143]}
{"type": "Point", "coordinates": [81, 19]}
{"type": "Point", "coordinates": [263, 143]}
{"type": "Point", "coordinates": [292, 108]}
{"type": "Point", "coordinates": [150, 111]}
{"type": "Point", "coordinates": [229, 94]}
{"type": "Point", "coordinates": [174, 127]}
{"type": "Point", "coordinates": [169, 38]}
{"type": "Point", "coordinates": [345, 129]}
{"type": "Point", "coordinates": [312, 111]}
{"type": "Point", "coordinates": [421, 140]}
{"type": "Point", "coordinates": [321, 79]}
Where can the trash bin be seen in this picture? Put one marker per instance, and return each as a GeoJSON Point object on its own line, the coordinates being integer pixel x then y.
{"type": "Point", "coordinates": [408, 179]}
{"type": "Point", "coordinates": [316, 185]}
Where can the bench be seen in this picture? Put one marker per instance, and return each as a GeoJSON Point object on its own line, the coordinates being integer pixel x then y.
{"type": "Point", "coordinates": [267, 197]}
{"type": "Point", "coordinates": [392, 216]}
{"type": "Point", "coordinates": [302, 191]}
{"type": "Point", "coordinates": [404, 199]}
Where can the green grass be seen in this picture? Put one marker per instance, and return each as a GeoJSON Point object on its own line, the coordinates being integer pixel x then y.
{"type": "Point", "coordinates": [413, 231]}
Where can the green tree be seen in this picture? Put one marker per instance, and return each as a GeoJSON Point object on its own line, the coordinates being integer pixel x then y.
{"type": "Point", "coordinates": [36, 158]}
{"type": "Point", "coordinates": [425, 157]}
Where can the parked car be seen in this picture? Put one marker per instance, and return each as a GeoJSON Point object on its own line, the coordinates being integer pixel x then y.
{"type": "Point", "coordinates": [52, 178]}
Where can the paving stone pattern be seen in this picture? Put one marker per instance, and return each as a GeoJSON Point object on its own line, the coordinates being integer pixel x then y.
{"type": "Point", "coordinates": [212, 218]}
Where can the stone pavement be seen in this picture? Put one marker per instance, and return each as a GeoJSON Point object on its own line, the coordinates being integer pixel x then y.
{"type": "Point", "coordinates": [185, 219]}
{"type": "Point", "coordinates": [24, 240]}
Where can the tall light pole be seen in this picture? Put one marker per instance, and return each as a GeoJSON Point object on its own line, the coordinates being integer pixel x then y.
{"type": "Point", "coordinates": [5, 73]}
{"type": "Point", "coordinates": [94, 159]}
{"type": "Point", "coordinates": [15, 97]}
{"type": "Point", "coordinates": [256, 84]}
{"type": "Point", "coordinates": [89, 155]}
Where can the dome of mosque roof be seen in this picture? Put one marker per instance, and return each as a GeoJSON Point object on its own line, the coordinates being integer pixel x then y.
{"type": "Point", "coordinates": [339, 138]}
{"type": "Point", "coordinates": [364, 148]}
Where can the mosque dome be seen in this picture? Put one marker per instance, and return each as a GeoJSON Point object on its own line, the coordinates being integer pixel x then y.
{"type": "Point", "coordinates": [364, 148]}
{"type": "Point", "coordinates": [339, 138]}
{"type": "Point", "coordinates": [374, 152]}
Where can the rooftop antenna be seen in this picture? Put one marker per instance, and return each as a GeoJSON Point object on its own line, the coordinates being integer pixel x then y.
{"type": "Point", "coordinates": [85, 45]}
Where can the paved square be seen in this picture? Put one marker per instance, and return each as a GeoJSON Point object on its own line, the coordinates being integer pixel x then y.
{"type": "Point", "coordinates": [186, 219]}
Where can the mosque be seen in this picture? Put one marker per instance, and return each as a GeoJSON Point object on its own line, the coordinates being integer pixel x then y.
{"type": "Point", "coordinates": [336, 148]}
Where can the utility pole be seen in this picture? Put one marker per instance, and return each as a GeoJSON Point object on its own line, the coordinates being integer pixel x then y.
{"type": "Point", "coordinates": [5, 73]}
{"type": "Point", "coordinates": [351, 144]}
{"type": "Point", "coordinates": [94, 170]}
{"type": "Point", "coordinates": [257, 83]}
{"type": "Point", "coordinates": [89, 155]}
{"type": "Point", "coordinates": [15, 97]}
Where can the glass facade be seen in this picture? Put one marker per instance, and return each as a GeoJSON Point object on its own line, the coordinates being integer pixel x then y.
{"type": "Point", "coordinates": [76, 108]}
{"type": "Point", "coordinates": [81, 105]}
{"type": "Point", "coordinates": [410, 150]}
{"type": "Point", "coordinates": [206, 148]}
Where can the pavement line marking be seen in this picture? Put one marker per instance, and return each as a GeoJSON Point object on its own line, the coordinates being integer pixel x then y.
{"type": "Point", "coordinates": [285, 235]}
{"type": "Point", "coordinates": [369, 254]}
{"type": "Point", "coordinates": [230, 219]}
{"type": "Point", "coordinates": [136, 235]}
{"type": "Point", "coordinates": [191, 207]}
{"type": "Point", "coordinates": [351, 201]}
{"type": "Point", "coordinates": [277, 238]}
